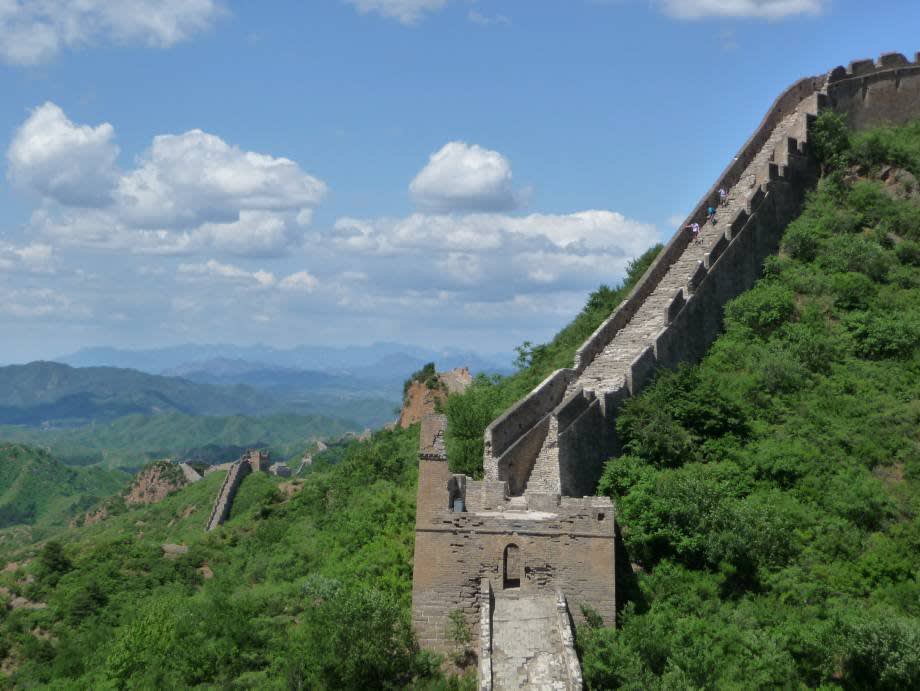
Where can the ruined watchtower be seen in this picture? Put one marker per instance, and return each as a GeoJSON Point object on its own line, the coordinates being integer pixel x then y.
{"type": "Point", "coordinates": [507, 559]}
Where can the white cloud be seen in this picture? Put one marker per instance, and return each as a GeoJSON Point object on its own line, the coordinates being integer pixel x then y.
{"type": "Point", "coordinates": [403, 11]}
{"type": "Point", "coordinates": [583, 230]}
{"type": "Point", "coordinates": [73, 164]}
{"type": "Point", "coordinates": [214, 269]}
{"type": "Point", "coordinates": [492, 254]}
{"type": "Point", "coordinates": [36, 257]}
{"type": "Point", "coordinates": [302, 281]}
{"type": "Point", "coordinates": [758, 9]}
{"type": "Point", "coordinates": [187, 193]}
{"type": "Point", "coordinates": [35, 31]}
{"type": "Point", "coordinates": [463, 177]}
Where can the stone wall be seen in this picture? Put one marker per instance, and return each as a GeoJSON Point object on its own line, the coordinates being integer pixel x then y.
{"type": "Point", "coordinates": [869, 93]}
{"type": "Point", "coordinates": [251, 461]}
{"type": "Point", "coordinates": [221, 509]}
{"type": "Point", "coordinates": [565, 544]}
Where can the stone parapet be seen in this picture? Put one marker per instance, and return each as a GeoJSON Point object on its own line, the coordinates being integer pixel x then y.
{"type": "Point", "coordinates": [521, 417]}
{"type": "Point", "coordinates": [564, 623]}
{"type": "Point", "coordinates": [485, 636]}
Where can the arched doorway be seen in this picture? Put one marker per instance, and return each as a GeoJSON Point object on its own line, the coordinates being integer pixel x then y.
{"type": "Point", "coordinates": [513, 567]}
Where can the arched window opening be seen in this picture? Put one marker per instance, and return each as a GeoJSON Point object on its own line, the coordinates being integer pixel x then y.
{"type": "Point", "coordinates": [513, 567]}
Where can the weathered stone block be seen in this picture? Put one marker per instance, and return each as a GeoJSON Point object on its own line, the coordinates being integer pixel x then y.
{"type": "Point", "coordinates": [697, 276]}
{"type": "Point", "coordinates": [640, 371]}
{"type": "Point", "coordinates": [892, 60]}
{"type": "Point", "coordinates": [860, 67]}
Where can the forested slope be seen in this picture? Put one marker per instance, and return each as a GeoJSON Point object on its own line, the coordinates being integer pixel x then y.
{"type": "Point", "coordinates": [134, 440]}
{"type": "Point", "coordinates": [36, 490]}
{"type": "Point", "coordinates": [307, 585]}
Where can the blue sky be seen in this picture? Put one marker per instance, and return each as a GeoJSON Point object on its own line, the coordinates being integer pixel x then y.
{"type": "Point", "coordinates": [442, 172]}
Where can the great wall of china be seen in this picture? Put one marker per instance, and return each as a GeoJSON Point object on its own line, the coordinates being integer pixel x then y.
{"type": "Point", "coordinates": [252, 461]}
{"type": "Point", "coordinates": [521, 551]}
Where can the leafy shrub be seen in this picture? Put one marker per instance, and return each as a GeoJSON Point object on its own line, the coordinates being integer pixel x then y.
{"type": "Point", "coordinates": [852, 290]}
{"type": "Point", "coordinates": [879, 336]}
{"type": "Point", "coordinates": [801, 241]}
{"type": "Point", "coordinates": [856, 254]}
{"type": "Point", "coordinates": [761, 310]}
{"type": "Point", "coordinates": [831, 141]}
{"type": "Point", "coordinates": [908, 252]}
{"type": "Point", "coordinates": [882, 654]}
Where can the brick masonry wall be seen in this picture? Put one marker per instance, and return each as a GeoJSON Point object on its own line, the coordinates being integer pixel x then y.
{"type": "Point", "coordinates": [569, 547]}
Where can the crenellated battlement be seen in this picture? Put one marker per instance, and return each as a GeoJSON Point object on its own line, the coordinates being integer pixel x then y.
{"type": "Point", "coordinates": [865, 68]}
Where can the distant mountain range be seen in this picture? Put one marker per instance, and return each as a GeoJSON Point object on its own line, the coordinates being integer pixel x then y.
{"type": "Point", "coordinates": [397, 358]}
{"type": "Point", "coordinates": [50, 392]}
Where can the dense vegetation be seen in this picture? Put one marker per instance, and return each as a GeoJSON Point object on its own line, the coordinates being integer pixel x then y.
{"type": "Point", "coordinates": [40, 492]}
{"type": "Point", "coordinates": [770, 495]}
{"type": "Point", "coordinates": [487, 397]}
{"type": "Point", "coordinates": [133, 441]}
{"type": "Point", "coordinates": [306, 586]}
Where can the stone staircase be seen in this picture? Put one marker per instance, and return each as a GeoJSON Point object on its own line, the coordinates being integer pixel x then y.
{"type": "Point", "coordinates": [530, 648]}
{"type": "Point", "coordinates": [608, 370]}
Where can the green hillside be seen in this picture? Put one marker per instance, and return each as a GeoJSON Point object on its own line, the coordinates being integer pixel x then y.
{"type": "Point", "coordinates": [768, 501]}
{"type": "Point", "coordinates": [133, 441]}
{"type": "Point", "coordinates": [310, 591]}
{"type": "Point", "coordinates": [38, 491]}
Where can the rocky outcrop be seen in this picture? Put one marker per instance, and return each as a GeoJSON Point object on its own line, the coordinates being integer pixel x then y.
{"type": "Point", "coordinates": [154, 483]}
{"type": "Point", "coordinates": [423, 398]}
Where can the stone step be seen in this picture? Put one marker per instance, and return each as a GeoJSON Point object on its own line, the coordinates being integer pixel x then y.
{"type": "Point", "coordinates": [609, 368]}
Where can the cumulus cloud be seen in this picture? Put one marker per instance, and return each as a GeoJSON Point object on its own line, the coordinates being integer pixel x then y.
{"type": "Point", "coordinates": [33, 32]}
{"type": "Point", "coordinates": [404, 11]}
{"type": "Point", "coordinates": [74, 164]}
{"type": "Point", "coordinates": [758, 9]}
{"type": "Point", "coordinates": [227, 272]}
{"type": "Point", "coordinates": [464, 177]}
{"type": "Point", "coordinates": [494, 254]}
{"type": "Point", "coordinates": [187, 192]}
